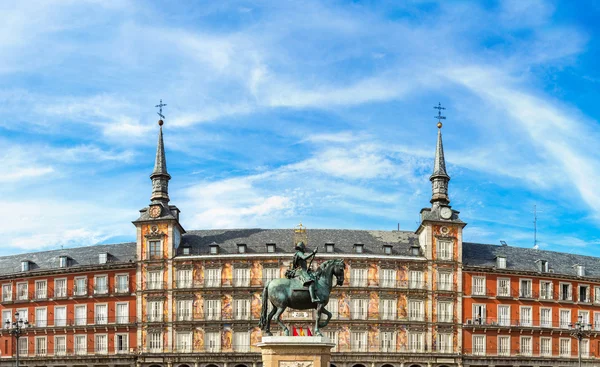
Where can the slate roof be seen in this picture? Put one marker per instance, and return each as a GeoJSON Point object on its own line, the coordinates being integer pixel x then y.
{"type": "Point", "coordinates": [256, 240]}
{"type": "Point", "coordinates": [78, 257]}
{"type": "Point", "coordinates": [524, 259]}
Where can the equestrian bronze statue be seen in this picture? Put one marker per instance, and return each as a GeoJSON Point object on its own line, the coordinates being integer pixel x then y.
{"type": "Point", "coordinates": [302, 289]}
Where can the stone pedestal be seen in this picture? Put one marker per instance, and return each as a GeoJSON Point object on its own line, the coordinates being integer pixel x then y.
{"type": "Point", "coordinates": [295, 351]}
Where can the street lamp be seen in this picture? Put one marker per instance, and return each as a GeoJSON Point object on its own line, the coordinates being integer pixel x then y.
{"type": "Point", "coordinates": [579, 331]}
{"type": "Point", "coordinates": [16, 329]}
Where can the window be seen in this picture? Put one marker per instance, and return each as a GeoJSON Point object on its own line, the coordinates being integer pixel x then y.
{"type": "Point", "coordinates": [358, 277]}
{"type": "Point", "coordinates": [155, 250]}
{"type": "Point", "coordinates": [445, 311]}
{"type": "Point", "coordinates": [101, 344]}
{"type": "Point", "coordinates": [213, 342]}
{"type": "Point", "coordinates": [41, 289]}
{"type": "Point", "coordinates": [526, 345]}
{"type": "Point", "coordinates": [7, 292]}
{"type": "Point", "coordinates": [584, 316]}
{"type": "Point", "coordinates": [580, 270]}
{"type": "Point", "coordinates": [241, 277]}
{"type": "Point", "coordinates": [387, 249]}
{"type": "Point", "coordinates": [40, 317]}
{"type": "Point", "coordinates": [186, 250]}
{"type": "Point", "coordinates": [241, 248]}
{"type": "Point", "coordinates": [565, 347]}
{"type": "Point", "coordinates": [584, 293]}
{"type": "Point", "coordinates": [596, 294]}
{"type": "Point", "coordinates": [479, 345]}
{"type": "Point", "coordinates": [184, 310]}
{"type": "Point", "coordinates": [596, 320]}
{"type": "Point", "coordinates": [388, 341]}
{"type": "Point", "coordinates": [40, 345]}
{"type": "Point", "coordinates": [213, 309]}
{"type": "Point", "coordinates": [503, 287]}
{"type": "Point", "coordinates": [60, 345]}
{"type": "Point", "coordinates": [23, 346]}
{"type": "Point", "coordinates": [270, 248]}
{"type": "Point", "coordinates": [121, 343]}
{"type": "Point", "coordinates": [155, 342]}
{"type": "Point", "coordinates": [214, 249]}
{"type": "Point", "coordinates": [123, 313]}
{"type": "Point", "coordinates": [333, 307]}
{"type": "Point", "coordinates": [565, 291]}
{"type": "Point", "coordinates": [545, 317]}
{"type": "Point", "coordinates": [25, 267]}
{"type": "Point", "coordinates": [546, 347]}
{"type": "Point", "coordinates": [444, 343]}
{"type": "Point", "coordinates": [503, 315]}
{"type": "Point", "coordinates": [80, 288]}
{"type": "Point", "coordinates": [501, 262]}
{"type": "Point", "coordinates": [526, 319]}
{"type": "Point", "coordinates": [60, 288]}
{"type": "Point", "coordinates": [359, 308]}
{"type": "Point", "coordinates": [184, 278]}
{"type": "Point", "coordinates": [543, 266]}
{"type": "Point", "coordinates": [444, 250]}
{"type": "Point", "coordinates": [101, 315]}
{"type": "Point", "coordinates": [416, 341]}
{"type": "Point", "coordinates": [332, 336]}
{"type": "Point", "coordinates": [80, 344]}
{"type": "Point", "coordinates": [359, 248]}
{"type": "Point", "coordinates": [479, 314]}
{"type": "Point", "coordinates": [585, 347]}
{"type": "Point", "coordinates": [445, 281]}
{"type": "Point", "coordinates": [415, 310]}
{"type": "Point", "coordinates": [546, 289]}
{"type": "Point", "coordinates": [504, 345]}
{"type": "Point", "coordinates": [155, 280]}
{"type": "Point", "coordinates": [565, 319]}
{"type": "Point", "coordinates": [415, 279]}
{"type": "Point", "coordinates": [22, 292]}
{"type": "Point", "coordinates": [270, 274]}
{"type": "Point", "coordinates": [62, 261]}
{"type": "Point", "coordinates": [213, 277]}
{"type": "Point", "coordinates": [6, 316]}
{"type": "Point", "coordinates": [122, 283]}
{"type": "Point", "coordinates": [101, 284]}
{"type": "Point", "coordinates": [155, 311]}
{"type": "Point", "coordinates": [102, 258]}
{"type": "Point", "coordinates": [60, 316]}
{"type": "Point", "coordinates": [241, 309]}
{"type": "Point", "coordinates": [388, 278]}
{"type": "Point", "coordinates": [184, 341]}
{"type": "Point", "coordinates": [329, 247]}
{"type": "Point", "coordinates": [388, 309]}
{"type": "Point", "coordinates": [478, 286]}
{"type": "Point", "coordinates": [241, 341]}
{"type": "Point", "coordinates": [358, 341]}
{"type": "Point", "coordinates": [525, 288]}
{"type": "Point", "coordinates": [80, 315]}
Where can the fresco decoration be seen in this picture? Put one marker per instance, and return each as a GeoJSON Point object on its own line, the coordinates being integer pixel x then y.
{"type": "Point", "coordinates": [256, 305]}
{"type": "Point", "coordinates": [198, 339]}
{"type": "Point", "coordinates": [402, 305]}
{"type": "Point", "coordinates": [401, 338]}
{"type": "Point", "coordinates": [255, 338]}
{"type": "Point", "coordinates": [144, 334]}
{"type": "Point", "coordinates": [256, 273]}
{"type": "Point", "coordinates": [227, 306]}
{"type": "Point", "coordinates": [402, 275]}
{"type": "Point", "coordinates": [344, 306]}
{"type": "Point", "coordinates": [198, 306]}
{"type": "Point", "coordinates": [434, 336]}
{"type": "Point", "coordinates": [226, 274]}
{"type": "Point", "coordinates": [373, 275]}
{"type": "Point", "coordinates": [373, 310]}
{"type": "Point", "coordinates": [226, 340]}
{"type": "Point", "coordinates": [373, 338]}
{"type": "Point", "coordinates": [198, 274]}
{"type": "Point", "coordinates": [347, 274]}
{"type": "Point", "coordinates": [344, 339]}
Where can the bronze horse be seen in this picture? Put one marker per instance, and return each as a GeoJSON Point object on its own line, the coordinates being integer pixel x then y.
{"type": "Point", "coordinates": [284, 293]}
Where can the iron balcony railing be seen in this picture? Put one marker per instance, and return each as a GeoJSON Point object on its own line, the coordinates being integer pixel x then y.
{"type": "Point", "coordinates": [529, 323]}
{"type": "Point", "coordinates": [535, 351]}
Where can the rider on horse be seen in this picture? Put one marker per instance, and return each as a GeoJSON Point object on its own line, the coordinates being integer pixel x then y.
{"type": "Point", "coordinates": [301, 270]}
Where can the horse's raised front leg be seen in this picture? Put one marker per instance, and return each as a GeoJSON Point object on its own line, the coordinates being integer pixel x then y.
{"type": "Point", "coordinates": [320, 309]}
{"type": "Point", "coordinates": [324, 310]}
{"type": "Point", "coordinates": [286, 331]}
{"type": "Point", "coordinates": [269, 318]}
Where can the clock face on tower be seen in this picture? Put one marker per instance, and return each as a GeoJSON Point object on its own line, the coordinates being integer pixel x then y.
{"type": "Point", "coordinates": [446, 213]}
{"type": "Point", "coordinates": [154, 211]}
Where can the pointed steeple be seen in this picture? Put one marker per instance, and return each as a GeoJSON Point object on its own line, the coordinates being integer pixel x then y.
{"type": "Point", "coordinates": [160, 177]}
{"type": "Point", "coordinates": [439, 179]}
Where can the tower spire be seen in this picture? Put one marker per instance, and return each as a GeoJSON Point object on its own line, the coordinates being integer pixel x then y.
{"type": "Point", "coordinates": [160, 177]}
{"type": "Point", "coordinates": [439, 179]}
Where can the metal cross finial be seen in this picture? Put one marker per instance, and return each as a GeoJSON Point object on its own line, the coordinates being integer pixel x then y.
{"type": "Point", "coordinates": [439, 108]}
{"type": "Point", "coordinates": [160, 106]}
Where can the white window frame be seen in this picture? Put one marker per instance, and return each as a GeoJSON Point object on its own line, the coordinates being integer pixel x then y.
{"type": "Point", "coordinates": [23, 346]}
{"type": "Point", "coordinates": [100, 319]}
{"type": "Point", "coordinates": [416, 310]}
{"type": "Point", "coordinates": [44, 321]}
{"type": "Point", "coordinates": [546, 322]}
{"type": "Point", "coordinates": [98, 288]}
{"type": "Point", "coordinates": [40, 349]}
{"type": "Point", "coordinates": [119, 318]}
{"type": "Point", "coordinates": [184, 309]}
{"type": "Point", "coordinates": [503, 291]}
{"type": "Point", "coordinates": [416, 341]}
{"type": "Point", "coordinates": [360, 308]}
{"type": "Point", "coordinates": [241, 277]}
{"type": "Point", "coordinates": [358, 277]}
{"type": "Point", "coordinates": [526, 316]}
{"type": "Point", "coordinates": [60, 292]}
{"type": "Point", "coordinates": [184, 278]}
{"type": "Point", "coordinates": [60, 351]}
{"type": "Point", "coordinates": [154, 311]}
{"type": "Point", "coordinates": [78, 320]}
{"type": "Point", "coordinates": [478, 286]}
{"type": "Point", "coordinates": [155, 279]}
{"type": "Point", "coordinates": [241, 309]}
{"type": "Point", "coordinates": [213, 277]}
{"type": "Point", "coordinates": [58, 321]}
{"type": "Point", "coordinates": [358, 341]}
{"type": "Point", "coordinates": [77, 290]}
{"type": "Point", "coordinates": [416, 279]}
{"type": "Point", "coordinates": [445, 343]}
{"type": "Point", "coordinates": [526, 345]}
{"type": "Point", "coordinates": [388, 278]}
{"type": "Point", "coordinates": [80, 348]}
{"type": "Point", "coordinates": [504, 316]}
{"type": "Point", "coordinates": [504, 345]}
{"type": "Point", "coordinates": [7, 292]}
{"type": "Point", "coordinates": [444, 250]}
{"type": "Point", "coordinates": [445, 311]}
{"type": "Point", "coordinates": [546, 350]}
{"type": "Point", "coordinates": [569, 292]}
{"type": "Point", "coordinates": [213, 342]}
{"type": "Point", "coordinates": [155, 342]}
{"type": "Point", "coordinates": [183, 341]}
{"type": "Point", "coordinates": [526, 292]}
{"type": "Point", "coordinates": [41, 289]}
{"type": "Point", "coordinates": [445, 284]}
{"type": "Point", "coordinates": [388, 308]}
{"type": "Point", "coordinates": [22, 291]}
{"type": "Point", "coordinates": [212, 308]}
{"type": "Point", "coordinates": [564, 347]}
{"type": "Point", "coordinates": [479, 344]}
{"type": "Point", "coordinates": [479, 318]}
{"type": "Point", "coordinates": [101, 347]}
{"type": "Point", "coordinates": [121, 288]}
{"type": "Point", "coordinates": [562, 323]}
{"type": "Point", "coordinates": [125, 348]}
{"type": "Point", "coordinates": [549, 289]}
{"type": "Point", "coordinates": [241, 341]}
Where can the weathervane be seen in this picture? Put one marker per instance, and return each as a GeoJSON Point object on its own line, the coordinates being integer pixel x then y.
{"type": "Point", "coordinates": [439, 117]}
{"type": "Point", "coordinates": [160, 106]}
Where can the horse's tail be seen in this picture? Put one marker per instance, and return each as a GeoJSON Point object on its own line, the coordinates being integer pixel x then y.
{"type": "Point", "coordinates": [263, 314]}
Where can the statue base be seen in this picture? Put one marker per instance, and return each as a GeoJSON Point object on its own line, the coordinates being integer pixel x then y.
{"type": "Point", "coordinates": [295, 351]}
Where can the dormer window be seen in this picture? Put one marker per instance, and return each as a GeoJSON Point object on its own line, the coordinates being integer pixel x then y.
{"type": "Point", "coordinates": [359, 248]}
{"type": "Point", "coordinates": [501, 262]}
{"type": "Point", "coordinates": [102, 258]}
{"type": "Point", "coordinates": [185, 250]}
{"type": "Point", "coordinates": [25, 265]}
{"type": "Point", "coordinates": [214, 248]}
{"type": "Point", "coordinates": [543, 266]}
{"type": "Point", "coordinates": [415, 250]}
{"type": "Point", "coordinates": [387, 249]}
{"type": "Point", "coordinates": [329, 247]}
{"type": "Point", "coordinates": [63, 261]}
{"type": "Point", "coordinates": [580, 270]}
{"type": "Point", "coordinates": [241, 248]}
{"type": "Point", "coordinates": [271, 248]}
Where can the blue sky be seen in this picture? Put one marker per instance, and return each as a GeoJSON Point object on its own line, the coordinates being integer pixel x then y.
{"type": "Point", "coordinates": [285, 111]}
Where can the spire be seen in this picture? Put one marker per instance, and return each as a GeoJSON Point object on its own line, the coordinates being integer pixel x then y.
{"type": "Point", "coordinates": [160, 177]}
{"type": "Point", "coordinates": [439, 179]}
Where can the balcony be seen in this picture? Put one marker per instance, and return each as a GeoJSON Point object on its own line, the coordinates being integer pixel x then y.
{"type": "Point", "coordinates": [73, 352]}
{"type": "Point", "coordinates": [60, 293]}
{"type": "Point", "coordinates": [513, 352]}
{"type": "Point", "coordinates": [523, 323]}
{"type": "Point", "coordinates": [155, 285]}
{"type": "Point", "coordinates": [84, 321]}
{"type": "Point", "coordinates": [80, 291]}
{"type": "Point", "coordinates": [121, 289]}
{"type": "Point", "coordinates": [100, 290]}
{"type": "Point", "coordinates": [445, 287]}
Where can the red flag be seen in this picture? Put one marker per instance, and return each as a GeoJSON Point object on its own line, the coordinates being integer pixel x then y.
{"type": "Point", "coordinates": [309, 332]}
{"type": "Point", "coordinates": [294, 331]}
